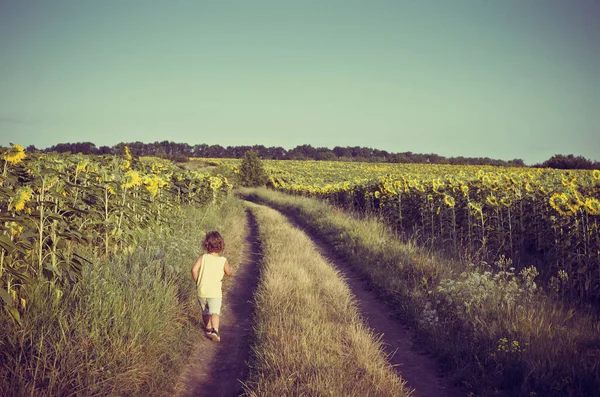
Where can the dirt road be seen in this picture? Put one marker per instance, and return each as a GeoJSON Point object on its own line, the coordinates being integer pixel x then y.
{"type": "Point", "coordinates": [218, 369]}
{"type": "Point", "coordinates": [411, 363]}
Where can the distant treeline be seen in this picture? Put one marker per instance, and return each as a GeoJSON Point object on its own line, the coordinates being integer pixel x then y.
{"type": "Point", "coordinates": [183, 151]}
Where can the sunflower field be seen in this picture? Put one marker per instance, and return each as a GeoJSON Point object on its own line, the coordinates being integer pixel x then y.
{"type": "Point", "coordinates": [545, 218]}
{"type": "Point", "coordinates": [52, 205]}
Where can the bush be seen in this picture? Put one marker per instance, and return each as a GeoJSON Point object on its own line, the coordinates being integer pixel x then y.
{"type": "Point", "coordinates": [252, 172]}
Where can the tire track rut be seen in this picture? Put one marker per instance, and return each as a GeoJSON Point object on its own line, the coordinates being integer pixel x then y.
{"type": "Point", "coordinates": [218, 369]}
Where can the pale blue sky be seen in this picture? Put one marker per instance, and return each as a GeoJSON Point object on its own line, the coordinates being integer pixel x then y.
{"type": "Point", "coordinates": [498, 78]}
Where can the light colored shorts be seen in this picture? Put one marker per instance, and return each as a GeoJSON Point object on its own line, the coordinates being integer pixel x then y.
{"type": "Point", "coordinates": [210, 305]}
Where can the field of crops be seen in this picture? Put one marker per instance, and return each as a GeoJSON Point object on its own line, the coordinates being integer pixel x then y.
{"type": "Point", "coordinates": [543, 220]}
{"type": "Point", "coordinates": [52, 205]}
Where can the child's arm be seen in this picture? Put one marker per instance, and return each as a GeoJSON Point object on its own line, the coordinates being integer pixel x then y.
{"type": "Point", "coordinates": [196, 269]}
{"type": "Point", "coordinates": [227, 268]}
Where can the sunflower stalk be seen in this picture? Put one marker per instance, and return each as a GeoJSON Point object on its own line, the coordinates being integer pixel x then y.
{"type": "Point", "coordinates": [2, 263]}
{"type": "Point", "coordinates": [510, 232]}
{"type": "Point", "coordinates": [122, 211]}
{"type": "Point", "coordinates": [41, 199]}
{"type": "Point", "coordinates": [75, 183]}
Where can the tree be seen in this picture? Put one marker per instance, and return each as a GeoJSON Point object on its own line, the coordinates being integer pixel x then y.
{"type": "Point", "coordinates": [252, 172]}
{"type": "Point", "coordinates": [567, 162]}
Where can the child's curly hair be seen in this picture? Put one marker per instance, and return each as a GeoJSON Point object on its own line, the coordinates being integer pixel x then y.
{"type": "Point", "coordinates": [213, 242]}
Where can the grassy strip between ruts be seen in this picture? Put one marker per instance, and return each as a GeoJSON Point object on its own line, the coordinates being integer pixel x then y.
{"type": "Point", "coordinates": [492, 330]}
{"type": "Point", "coordinates": [310, 339]}
{"type": "Point", "coordinates": [126, 327]}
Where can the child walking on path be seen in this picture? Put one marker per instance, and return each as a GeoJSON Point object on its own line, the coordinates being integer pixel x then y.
{"type": "Point", "coordinates": [208, 274]}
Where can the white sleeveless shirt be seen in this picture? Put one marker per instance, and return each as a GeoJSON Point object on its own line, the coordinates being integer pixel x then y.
{"type": "Point", "coordinates": [210, 277]}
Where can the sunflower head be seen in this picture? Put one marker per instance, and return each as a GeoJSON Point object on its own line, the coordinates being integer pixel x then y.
{"type": "Point", "coordinates": [573, 201]}
{"type": "Point", "coordinates": [14, 228]}
{"type": "Point", "coordinates": [492, 200]}
{"type": "Point", "coordinates": [81, 165]}
{"type": "Point", "coordinates": [576, 196]}
{"type": "Point", "coordinates": [560, 203]}
{"type": "Point", "coordinates": [506, 201]}
{"type": "Point", "coordinates": [215, 183]}
{"type": "Point", "coordinates": [529, 188]}
{"type": "Point", "coordinates": [449, 200]}
{"type": "Point", "coordinates": [476, 207]}
{"type": "Point", "coordinates": [152, 183]}
{"type": "Point", "coordinates": [110, 188]}
{"type": "Point", "coordinates": [131, 178]}
{"type": "Point", "coordinates": [22, 196]}
{"type": "Point", "coordinates": [596, 174]}
{"type": "Point", "coordinates": [438, 185]}
{"type": "Point", "coordinates": [592, 206]}
{"type": "Point", "coordinates": [14, 155]}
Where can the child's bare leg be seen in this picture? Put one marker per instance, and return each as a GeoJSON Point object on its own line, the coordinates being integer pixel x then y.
{"type": "Point", "coordinates": [214, 318]}
{"type": "Point", "coordinates": [207, 321]}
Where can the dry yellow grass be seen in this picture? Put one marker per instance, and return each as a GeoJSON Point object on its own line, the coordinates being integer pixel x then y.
{"type": "Point", "coordinates": [310, 339]}
{"type": "Point", "coordinates": [494, 336]}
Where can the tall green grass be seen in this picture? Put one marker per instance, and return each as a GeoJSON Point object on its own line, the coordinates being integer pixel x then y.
{"type": "Point", "coordinates": [310, 339]}
{"type": "Point", "coordinates": [494, 331]}
{"type": "Point", "coordinates": [127, 326]}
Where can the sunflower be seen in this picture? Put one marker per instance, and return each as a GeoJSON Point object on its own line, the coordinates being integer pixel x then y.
{"type": "Point", "coordinates": [515, 179]}
{"type": "Point", "coordinates": [506, 201]}
{"type": "Point", "coordinates": [14, 228]}
{"type": "Point", "coordinates": [465, 190]}
{"type": "Point", "coordinates": [592, 206]}
{"type": "Point", "coordinates": [529, 188]}
{"type": "Point", "coordinates": [20, 199]}
{"type": "Point", "coordinates": [81, 165]}
{"type": "Point", "coordinates": [596, 174]}
{"type": "Point", "coordinates": [576, 196]}
{"type": "Point", "coordinates": [110, 189]}
{"type": "Point", "coordinates": [152, 183]}
{"type": "Point", "coordinates": [132, 178]}
{"type": "Point", "coordinates": [437, 185]}
{"type": "Point", "coordinates": [215, 183]}
{"type": "Point", "coordinates": [476, 207]}
{"type": "Point", "coordinates": [573, 202]}
{"type": "Point", "coordinates": [449, 200]}
{"type": "Point", "coordinates": [492, 200]}
{"type": "Point", "coordinates": [560, 203]}
{"type": "Point", "coordinates": [128, 153]}
{"type": "Point", "coordinates": [14, 155]}
{"type": "Point", "coordinates": [125, 164]}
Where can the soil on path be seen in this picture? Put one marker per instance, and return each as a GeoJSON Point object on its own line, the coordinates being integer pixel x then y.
{"type": "Point", "coordinates": [218, 369]}
{"type": "Point", "coordinates": [410, 362]}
